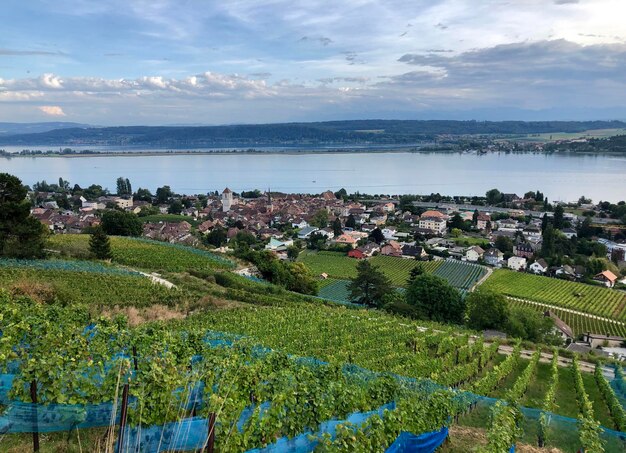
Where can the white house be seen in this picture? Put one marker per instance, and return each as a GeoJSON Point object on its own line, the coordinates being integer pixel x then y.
{"type": "Point", "coordinates": [435, 224]}
{"type": "Point", "coordinates": [305, 233]}
{"type": "Point", "coordinates": [277, 245]}
{"type": "Point", "coordinates": [299, 223]}
{"type": "Point", "coordinates": [474, 253]}
{"type": "Point", "coordinates": [516, 263]}
{"type": "Point", "coordinates": [539, 267]}
{"type": "Point", "coordinates": [389, 233]}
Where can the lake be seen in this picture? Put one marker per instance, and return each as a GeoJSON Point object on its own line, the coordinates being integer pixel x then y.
{"type": "Point", "coordinates": [560, 176]}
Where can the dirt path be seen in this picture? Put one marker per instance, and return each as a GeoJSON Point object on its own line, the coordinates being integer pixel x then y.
{"type": "Point", "coordinates": [156, 279]}
{"type": "Point", "coordinates": [564, 362]}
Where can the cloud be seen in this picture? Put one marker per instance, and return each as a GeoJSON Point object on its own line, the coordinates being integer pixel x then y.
{"type": "Point", "coordinates": [52, 110]}
{"type": "Point", "coordinates": [324, 41]}
{"type": "Point", "coordinates": [14, 52]}
{"type": "Point", "coordinates": [566, 2]}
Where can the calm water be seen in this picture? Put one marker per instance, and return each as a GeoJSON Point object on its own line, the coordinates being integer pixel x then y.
{"type": "Point", "coordinates": [560, 177]}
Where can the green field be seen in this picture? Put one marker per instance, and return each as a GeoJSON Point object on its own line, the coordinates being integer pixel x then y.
{"type": "Point", "coordinates": [460, 274]}
{"type": "Point", "coordinates": [339, 266]}
{"type": "Point", "coordinates": [142, 253]}
{"type": "Point", "coordinates": [594, 133]}
{"type": "Point", "coordinates": [578, 296]}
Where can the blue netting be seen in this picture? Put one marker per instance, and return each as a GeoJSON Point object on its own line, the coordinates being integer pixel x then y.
{"type": "Point", "coordinates": [189, 434]}
{"type": "Point", "coordinates": [62, 265]}
{"type": "Point", "coordinates": [206, 254]}
{"type": "Point", "coordinates": [424, 443]}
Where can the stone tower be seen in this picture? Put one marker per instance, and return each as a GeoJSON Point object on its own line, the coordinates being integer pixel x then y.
{"type": "Point", "coordinates": [227, 199]}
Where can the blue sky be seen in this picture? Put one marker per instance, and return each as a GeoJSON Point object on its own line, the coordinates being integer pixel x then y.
{"type": "Point", "coordinates": [117, 62]}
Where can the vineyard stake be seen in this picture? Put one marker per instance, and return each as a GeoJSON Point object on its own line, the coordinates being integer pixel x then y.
{"type": "Point", "coordinates": [123, 417]}
{"type": "Point", "coordinates": [135, 357]}
{"type": "Point", "coordinates": [33, 397]}
{"type": "Point", "coordinates": [211, 442]}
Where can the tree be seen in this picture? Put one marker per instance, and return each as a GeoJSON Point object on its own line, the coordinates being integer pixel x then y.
{"type": "Point", "coordinates": [475, 217]}
{"type": "Point", "coordinates": [121, 223]}
{"type": "Point", "coordinates": [415, 272]}
{"type": "Point", "coordinates": [337, 231]}
{"type": "Point", "coordinates": [320, 219]}
{"type": "Point", "coordinates": [163, 194]}
{"type": "Point", "coordinates": [504, 244]}
{"type": "Point", "coordinates": [433, 298]}
{"type": "Point", "coordinates": [544, 223]}
{"type": "Point", "coordinates": [547, 245]}
{"type": "Point", "coordinates": [558, 221]}
{"type": "Point", "coordinates": [377, 235]}
{"type": "Point", "coordinates": [341, 193]}
{"type": "Point", "coordinates": [217, 237]}
{"type": "Point", "coordinates": [123, 187]}
{"type": "Point", "coordinates": [351, 222]}
{"type": "Point", "coordinates": [99, 244]}
{"type": "Point", "coordinates": [21, 235]}
{"type": "Point", "coordinates": [529, 324]}
{"type": "Point", "coordinates": [493, 196]}
{"type": "Point", "coordinates": [486, 310]}
{"type": "Point", "coordinates": [176, 207]}
{"type": "Point", "coordinates": [369, 286]}
{"type": "Point", "coordinates": [143, 195]}
{"type": "Point", "coordinates": [293, 252]}
{"type": "Point", "coordinates": [457, 222]}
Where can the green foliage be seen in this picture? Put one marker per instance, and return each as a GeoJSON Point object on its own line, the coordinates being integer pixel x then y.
{"type": "Point", "coordinates": [320, 219]}
{"type": "Point", "coordinates": [369, 286]}
{"type": "Point", "coordinates": [486, 310]}
{"type": "Point", "coordinates": [99, 244]}
{"type": "Point", "coordinates": [528, 324]}
{"type": "Point", "coordinates": [21, 236]}
{"type": "Point", "coordinates": [434, 299]}
{"type": "Point", "coordinates": [608, 394]}
{"type": "Point", "coordinates": [588, 428]}
{"type": "Point", "coordinates": [121, 223]}
{"type": "Point", "coordinates": [504, 244]}
{"type": "Point", "coordinates": [123, 187]}
{"type": "Point", "coordinates": [216, 237]}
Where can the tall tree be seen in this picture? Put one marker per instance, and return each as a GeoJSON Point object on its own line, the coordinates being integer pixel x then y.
{"type": "Point", "coordinates": [377, 235]}
{"type": "Point", "coordinates": [337, 231]}
{"type": "Point", "coordinates": [369, 286]}
{"type": "Point", "coordinates": [351, 222]}
{"type": "Point", "coordinates": [163, 194]}
{"type": "Point", "coordinates": [320, 219]}
{"type": "Point", "coordinates": [21, 235]}
{"type": "Point", "coordinates": [547, 244]}
{"type": "Point", "coordinates": [100, 244]}
{"type": "Point", "coordinates": [433, 298]}
{"type": "Point", "coordinates": [494, 196]}
{"type": "Point", "coordinates": [558, 220]}
{"type": "Point", "coordinates": [415, 272]}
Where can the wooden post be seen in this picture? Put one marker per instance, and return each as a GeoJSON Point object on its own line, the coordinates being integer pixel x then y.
{"type": "Point", "coordinates": [123, 417]}
{"type": "Point", "coordinates": [135, 357]}
{"type": "Point", "coordinates": [211, 441]}
{"type": "Point", "coordinates": [33, 398]}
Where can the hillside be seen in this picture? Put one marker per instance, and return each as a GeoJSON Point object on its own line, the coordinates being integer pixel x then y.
{"type": "Point", "coordinates": [261, 354]}
{"type": "Point", "coordinates": [382, 132]}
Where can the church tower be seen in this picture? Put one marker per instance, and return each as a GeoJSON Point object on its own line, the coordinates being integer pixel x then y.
{"type": "Point", "coordinates": [227, 199]}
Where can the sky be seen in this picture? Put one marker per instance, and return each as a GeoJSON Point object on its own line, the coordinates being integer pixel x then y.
{"type": "Point", "coordinates": [164, 62]}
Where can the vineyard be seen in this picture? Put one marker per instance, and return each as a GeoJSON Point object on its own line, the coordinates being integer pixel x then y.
{"type": "Point", "coordinates": [579, 323]}
{"type": "Point", "coordinates": [460, 274]}
{"type": "Point", "coordinates": [143, 253]}
{"type": "Point", "coordinates": [578, 296]}
{"type": "Point", "coordinates": [84, 283]}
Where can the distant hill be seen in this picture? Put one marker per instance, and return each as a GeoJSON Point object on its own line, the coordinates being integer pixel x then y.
{"type": "Point", "coordinates": [36, 128]}
{"type": "Point", "coordinates": [330, 132]}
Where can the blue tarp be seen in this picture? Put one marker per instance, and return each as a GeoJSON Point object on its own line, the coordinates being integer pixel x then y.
{"type": "Point", "coordinates": [424, 443]}
{"type": "Point", "coordinates": [190, 434]}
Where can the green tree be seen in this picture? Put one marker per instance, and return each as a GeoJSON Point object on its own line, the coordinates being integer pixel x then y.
{"type": "Point", "coordinates": [377, 235]}
{"type": "Point", "coordinates": [369, 286]}
{"type": "Point", "coordinates": [143, 195]}
{"type": "Point", "coordinates": [529, 324]}
{"type": "Point", "coordinates": [547, 244]}
{"type": "Point", "coordinates": [558, 220]}
{"type": "Point", "coordinates": [21, 235]}
{"type": "Point", "coordinates": [504, 244]}
{"type": "Point", "coordinates": [494, 196]}
{"type": "Point", "coordinates": [163, 194]}
{"type": "Point", "coordinates": [100, 244]}
{"type": "Point", "coordinates": [320, 219]}
{"type": "Point", "coordinates": [121, 223]}
{"type": "Point", "coordinates": [417, 270]}
{"type": "Point", "coordinates": [475, 217]}
{"type": "Point", "coordinates": [216, 237]}
{"type": "Point", "coordinates": [433, 298]}
{"type": "Point", "coordinates": [351, 222]}
{"type": "Point", "coordinates": [486, 310]}
{"type": "Point", "coordinates": [293, 252]}
{"type": "Point", "coordinates": [176, 207]}
{"type": "Point", "coordinates": [337, 231]}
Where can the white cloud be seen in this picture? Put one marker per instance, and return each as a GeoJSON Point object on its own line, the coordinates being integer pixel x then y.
{"type": "Point", "coordinates": [52, 110]}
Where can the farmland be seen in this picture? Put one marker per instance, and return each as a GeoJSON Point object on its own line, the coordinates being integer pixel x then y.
{"type": "Point", "coordinates": [289, 323]}
{"type": "Point", "coordinates": [142, 253]}
{"type": "Point", "coordinates": [459, 274]}
{"type": "Point", "coordinates": [587, 298]}
{"type": "Point", "coordinates": [339, 266]}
